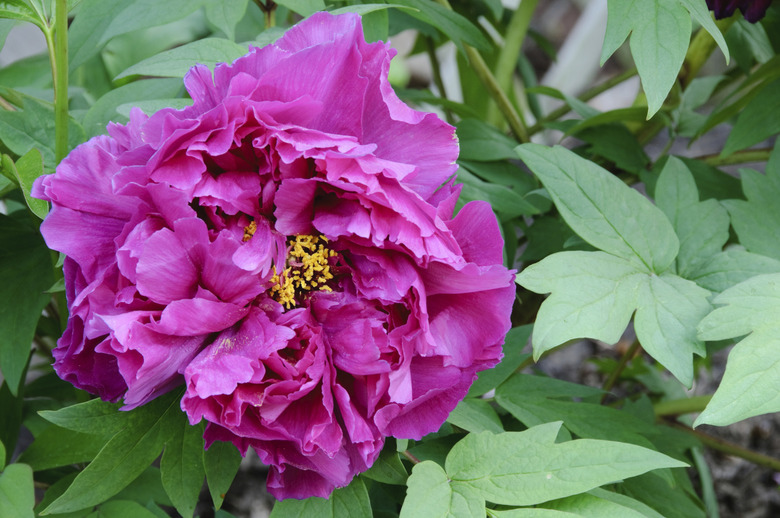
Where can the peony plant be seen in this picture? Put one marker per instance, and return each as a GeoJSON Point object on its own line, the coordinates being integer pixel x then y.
{"type": "Point", "coordinates": [284, 248]}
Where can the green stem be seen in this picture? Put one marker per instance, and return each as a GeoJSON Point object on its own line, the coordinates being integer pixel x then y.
{"type": "Point", "coordinates": [6, 105]}
{"type": "Point", "coordinates": [509, 53]}
{"type": "Point", "coordinates": [700, 50]}
{"type": "Point", "coordinates": [615, 374]}
{"type": "Point", "coordinates": [587, 96]}
{"type": "Point", "coordinates": [487, 78]}
{"type": "Point", "coordinates": [411, 457]}
{"type": "Point", "coordinates": [677, 407]}
{"type": "Point", "coordinates": [430, 48]}
{"type": "Point", "coordinates": [738, 157]}
{"type": "Point", "coordinates": [511, 115]}
{"type": "Point", "coordinates": [729, 448]}
{"type": "Point", "coordinates": [58, 53]}
{"type": "Point", "coordinates": [269, 10]}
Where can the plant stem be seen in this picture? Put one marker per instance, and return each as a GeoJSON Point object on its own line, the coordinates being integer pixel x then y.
{"type": "Point", "coordinates": [430, 48]}
{"type": "Point", "coordinates": [511, 115]}
{"type": "Point", "coordinates": [700, 50]}
{"type": "Point", "coordinates": [615, 374]}
{"type": "Point", "coordinates": [509, 53]}
{"type": "Point", "coordinates": [6, 105]}
{"type": "Point", "coordinates": [590, 94]}
{"type": "Point", "coordinates": [411, 457]}
{"type": "Point", "coordinates": [269, 10]}
{"type": "Point", "coordinates": [738, 157]}
{"type": "Point", "coordinates": [59, 56]}
{"type": "Point", "coordinates": [681, 406]}
{"type": "Point", "coordinates": [487, 78]}
{"type": "Point", "coordinates": [729, 447]}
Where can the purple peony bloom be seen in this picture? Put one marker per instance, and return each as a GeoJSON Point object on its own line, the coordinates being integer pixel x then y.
{"type": "Point", "coordinates": [285, 248]}
{"type": "Point", "coordinates": [752, 10]}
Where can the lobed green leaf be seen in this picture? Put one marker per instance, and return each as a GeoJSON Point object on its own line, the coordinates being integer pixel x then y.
{"type": "Point", "coordinates": [660, 32]}
{"type": "Point", "coordinates": [603, 210]}
{"type": "Point", "coordinates": [528, 468]}
{"type": "Point", "coordinates": [431, 493]}
{"type": "Point", "coordinates": [749, 385]}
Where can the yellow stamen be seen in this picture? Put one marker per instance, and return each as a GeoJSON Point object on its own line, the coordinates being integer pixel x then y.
{"type": "Point", "coordinates": [249, 231]}
{"type": "Point", "coordinates": [308, 269]}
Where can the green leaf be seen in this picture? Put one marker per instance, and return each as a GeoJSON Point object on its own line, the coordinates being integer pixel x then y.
{"type": "Point", "coordinates": [702, 228]}
{"type": "Point", "coordinates": [671, 502]}
{"type": "Point", "coordinates": [527, 385]}
{"type": "Point", "coordinates": [702, 15]}
{"type": "Point", "coordinates": [346, 502]}
{"type": "Point", "coordinates": [507, 202]}
{"type": "Point", "coordinates": [749, 43]}
{"type": "Point", "coordinates": [56, 447]}
{"type": "Point", "coordinates": [593, 295]}
{"type": "Point", "coordinates": [104, 110]}
{"type": "Point", "coordinates": [528, 468]}
{"type": "Point", "coordinates": [98, 21]}
{"type": "Point", "coordinates": [146, 488]}
{"type": "Point", "coordinates": [586, 420]}
{"type": "Point", "coordinates": [363, 9]}
{"type": "Point", "coordinates": [758, 121]}
{"type": "Point", "coordinates": [668, 310]}
{"type": "Point", "coordinates": [749, 385]}
{"type": "Point", "coordinates": [515, 342]}
{"type": "Point", "coordinates": [731, 267]}
{"type": "Point", "coordinates": [388, 469]}
{"type": "Point", "coordinates": [150, 107]}
{"type": "Point", "coordinates": [303, 7]}
{"type": "Point", "coordinates": [430, 493]}
{"type": "Point", "coordinates": [603, 210]}
{"type": "Point", "coordinates": [94, 416]}
{"type": "Point", "coordinates": [600, 503]}
{"type": "Point", "coordinates": [17, 494]}
{"type": "Point", "coordinates": [221, 462]}
{"type": "Point", "coordinates": [10, 417]}
{"type": "Point", "coordinates": [123, 458]}
{"type": "Point", "coordinates": [2, 456]}
{"type": "Point", "coordinates": [181, 466]}
{"type": "Point", "coordinates": [475, 415]}
{"type": "Point", "coordinates": [454, 26]}
{"type": "Point", "coordinates": [482, 142]}
{"type": "Point", "coordinates": [757, 220]}
{"type": "Point", "coordinates": [122, 509]}
{"type": "Point", "coordinates": [27, 169]}
{"type": "Point", "coordinates": [177, 62]}
{"type": "Point", "coordinates": [25, 273]}
{"type": "Point", "coordinates": [33, 127]}
{"type": "Point", "coordinates": [19, 10]}
{"type": "Point", "coordinates": [532, 512]}
{"type": "Point", "coordinates": [226, 14]}
{"type": "Point", "coordinates": [660, 33]}
{"type": "Point", "coordinates": [616, 143]}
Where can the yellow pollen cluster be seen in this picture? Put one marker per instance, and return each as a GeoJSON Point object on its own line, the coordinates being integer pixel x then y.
{"type": "Point", "coordinates": [307, 269]}
{"type": "Point", "coordinates": [249, 231]}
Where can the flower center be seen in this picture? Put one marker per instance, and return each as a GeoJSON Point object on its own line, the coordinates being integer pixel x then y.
{"type": "Point", "coordinates": [249, 231]}
{"type": "Point", "coordinates": [307, 269]}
